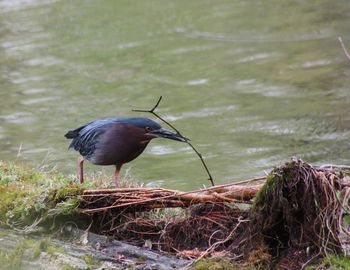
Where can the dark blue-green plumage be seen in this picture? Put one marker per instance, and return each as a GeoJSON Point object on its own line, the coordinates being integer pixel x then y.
{"type": "Point", "coordinates": [86, 138]}
{"type": "Point", "coordinates": [115, 141]}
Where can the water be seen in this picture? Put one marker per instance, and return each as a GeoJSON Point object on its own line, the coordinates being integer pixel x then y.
{"type": "Point", "coordinates": [252, 83]}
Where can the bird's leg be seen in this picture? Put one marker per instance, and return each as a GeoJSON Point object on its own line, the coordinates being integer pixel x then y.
{"type": "Point", "coordinates": [116, 177]}
{"type": "Point", "coordinates": [81, 169]}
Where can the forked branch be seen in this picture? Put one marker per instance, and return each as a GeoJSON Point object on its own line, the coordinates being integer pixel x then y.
{"type": "Point", "coordinates": [152, 111]}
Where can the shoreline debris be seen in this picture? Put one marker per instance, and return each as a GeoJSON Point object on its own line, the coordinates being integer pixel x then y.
{"type": "Point", "coordinates": [300, 215]}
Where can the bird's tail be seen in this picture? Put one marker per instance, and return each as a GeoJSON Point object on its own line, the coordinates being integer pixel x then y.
{"type": "Point", "coordinates": [73, 133]}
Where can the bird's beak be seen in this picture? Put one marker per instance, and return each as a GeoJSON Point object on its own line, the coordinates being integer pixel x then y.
{"type": "Point", "coordinates": [163, 133]}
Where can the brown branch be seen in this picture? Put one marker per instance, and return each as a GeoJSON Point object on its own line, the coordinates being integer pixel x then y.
{"type": "Point", "coordinates": [124, 190]}
{"type": "Point", "coordinates": [159, 117]}
{"type": "Point", "coordinates": [153, 198]}
{"type": "Point", "coordinates": [152, 111]}
{"type": "Point", "coordinates": [347, 54]}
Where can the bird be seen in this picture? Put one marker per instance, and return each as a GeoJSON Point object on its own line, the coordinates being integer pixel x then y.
{"type": "Point", "coordinates": [115, 141]}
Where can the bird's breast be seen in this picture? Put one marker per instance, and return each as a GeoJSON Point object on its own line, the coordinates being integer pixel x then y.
{"type": "Point", "coordinates": [120, 144]}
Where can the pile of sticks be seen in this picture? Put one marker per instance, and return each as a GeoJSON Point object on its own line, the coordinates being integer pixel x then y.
{"type": "Point", "coordinates": [144, 199]}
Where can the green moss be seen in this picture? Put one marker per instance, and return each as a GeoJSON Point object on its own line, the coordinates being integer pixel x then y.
{"type": "Point", "coordinates": [10, 173]}
{"type": "Point", "coordinates": [12, 259]}
{"type": "Point", "coordinates": [69, 206]}
{"type": "Point", "coordinates": [90, 261]}
{"type": "Point", "coordinates": [260, 258]}
{"type": "Point", "coordinates": [167, 213]}
{"type": "Point", "coordinates": [52, 249]}
{"type": "Point", "coordinates": [67, 267]}
{"type": "Point", "coordinates": [225, 264]}
{"type": "Point", "coordinates": [266, 189]}
{"type": "Point", "coordinates": [67, 191]}
{"type": "Point", "coordinates": [25, 210]}
{"type": "Point", "coordinates": [45, 246]}
{"type": "Point", "coordinates": [38, 248]}
{"type": "Point", "coordinates": [142, 258]}
{"type": "Point", "coordinates": [273, 179]}
{"type": "Point", "coordinates": [36, 253]}
{"type": "Point", "coordinates": [3, 233]}
{"type": "Point", "coordinates": [332, 261]}
{"type": "Point", "coordinates": [338, 261]}
{"type": "Point", "coordinates": [30, 197]}
{"type": "Point", "coordinates": [216, 264]}
{"type": "Point", "coordinates": [9, 196]}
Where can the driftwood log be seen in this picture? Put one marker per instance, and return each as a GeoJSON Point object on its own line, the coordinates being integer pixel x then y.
{"type": "Point", "coordinates": [86, 251]}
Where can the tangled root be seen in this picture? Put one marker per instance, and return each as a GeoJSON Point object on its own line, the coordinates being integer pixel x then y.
{"type": "Point", "coordinates": [205, 226]}
{"type": "Point", "coordinates": [301, 209]}
{"type": "Point", "coordinates": [301, 213]}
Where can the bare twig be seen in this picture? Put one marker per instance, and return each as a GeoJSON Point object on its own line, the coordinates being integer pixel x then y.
{"type": "Point", "coordinates": [331, 166]}
{"type": "Point", "coordinates": [161, 118]}
{"type": "Point", "coordinates": [347, 54]}
{"type": "Point", "coordinates": [152, 111]}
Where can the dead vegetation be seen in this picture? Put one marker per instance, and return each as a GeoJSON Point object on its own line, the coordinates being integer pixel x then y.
{"type": "Point", "coordinates": [302, 209]}
{"type": "Point", "coordinates": [301, 212]}
{"type": "Point", "coordinates": [299, 215]}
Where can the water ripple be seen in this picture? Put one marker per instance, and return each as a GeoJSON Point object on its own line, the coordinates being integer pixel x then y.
{"type": "Point", "coordinates": [192, 49]}
{"type": "Point", "coordinates": [18, 78]}
{"type": "Point", "coordinates": [197, 82]}
{"type": "Point", "coordinates": [258, 56]}
{"type": "Point", "coordinates": [165, 150]}
{"type": "Point", "coordinates": [44, 61]}
{"type": "Point", "coordinates": [19, 118]}
{"type": "Point", "coordinates": [312, 64]}
{"type": "Point", "coordinates": [16, 5]}
{"type": "Point", "coordinates": [34, 101]}
{"type": "Point", "coordinates": [200, 113]}
{"type": "Point", "coordinates": [263, 39]}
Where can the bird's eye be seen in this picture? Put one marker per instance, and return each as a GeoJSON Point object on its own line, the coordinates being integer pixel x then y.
{"type": "Point", "coordinates": [148, 129]}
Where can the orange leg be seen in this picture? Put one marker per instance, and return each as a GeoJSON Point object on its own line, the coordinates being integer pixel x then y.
{"type": "Point", "coordinates": [81, 169]}
{"type": "Point", "coordinates": [116, 177]}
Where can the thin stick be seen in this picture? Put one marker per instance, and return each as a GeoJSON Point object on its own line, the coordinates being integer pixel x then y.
{"type": "Point", "coordinates": [258, 178]}
{"type": "Point", "coordinates": [347, 54]}
{"type": "Point", "coordinates": [159, 117]}
{"type": "Point", "coordinates": [152, 111]}
{"type": "Point", "coordinates": [204, 165]}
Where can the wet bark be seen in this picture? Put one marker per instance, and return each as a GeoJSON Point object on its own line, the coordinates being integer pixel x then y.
{"type": "Point", "coordinates": [104, 252]}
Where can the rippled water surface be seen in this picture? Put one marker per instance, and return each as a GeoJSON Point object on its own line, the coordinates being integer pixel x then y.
{"type": "Point", "coordinates": [252, 83]}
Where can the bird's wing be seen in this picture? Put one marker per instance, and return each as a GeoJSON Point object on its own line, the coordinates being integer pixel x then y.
{"type": "Point", "coordinates": [86, 136]}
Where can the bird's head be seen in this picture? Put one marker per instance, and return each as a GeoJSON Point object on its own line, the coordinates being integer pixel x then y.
{"type": "Point", "coordinates": [153, 130]}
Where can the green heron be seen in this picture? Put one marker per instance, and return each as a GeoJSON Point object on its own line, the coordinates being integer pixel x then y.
{"type": "Point", "coordinates": [115, 141]}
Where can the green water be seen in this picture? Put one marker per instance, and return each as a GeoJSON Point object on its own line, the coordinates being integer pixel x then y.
{"type": "Point", "coordinates": [252, 83]}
